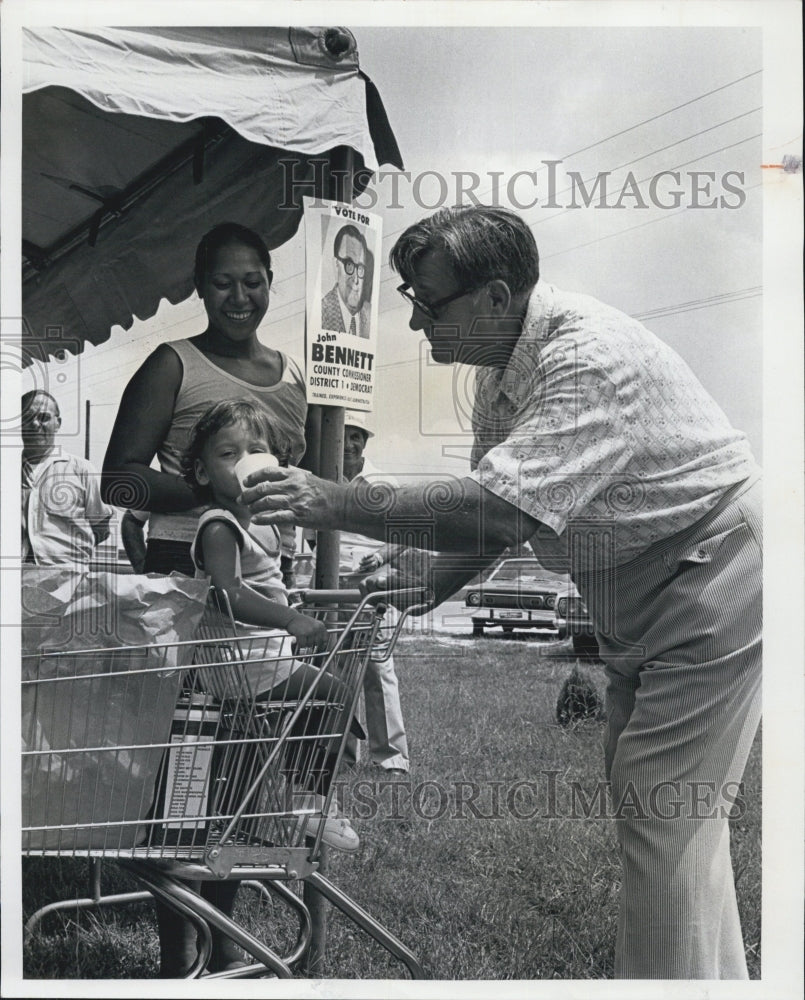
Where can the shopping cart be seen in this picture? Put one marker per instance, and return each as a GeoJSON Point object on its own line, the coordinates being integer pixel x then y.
{"type": "Point", "coordinates": [220, 774]}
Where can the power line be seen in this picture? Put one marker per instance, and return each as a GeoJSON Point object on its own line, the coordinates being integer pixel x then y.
{"type": "Point", "coordinates": [653, 152]}
{"type": "Point", "coordinates": [631, 128]}
{"type": "Point", "coordinates": [684, 104]}
{"type": "Point", "coordinates": [299, 313]}
{"type": "Point", "coordinates": [620, 232]}
{"type": "Point", "coordinates": [564, 211]}
{"type": "Point", "coordinates": [614, 135]}
{"type": "Point", "coordinates": [738, 295]}
{"type": "Point", "coordinates": [712, 300]}
{"type": "Point", "coordinates": [294, 315]}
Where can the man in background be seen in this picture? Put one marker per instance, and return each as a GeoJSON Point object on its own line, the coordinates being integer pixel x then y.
{"type": "Point", "coordinates": [359, 556]}
{"type": "Point", "coordinates": [63, 516]}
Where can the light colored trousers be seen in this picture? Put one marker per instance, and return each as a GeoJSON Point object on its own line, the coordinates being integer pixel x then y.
{"type": "Point", "coordinates": [387, 743]}
{"type": "Point", "coordinates": [683, 706]}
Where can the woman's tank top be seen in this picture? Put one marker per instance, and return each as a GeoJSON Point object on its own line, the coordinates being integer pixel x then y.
{"type": "Point", "coordinates": [204, 384]}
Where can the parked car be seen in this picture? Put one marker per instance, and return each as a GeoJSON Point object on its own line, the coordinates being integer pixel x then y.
{"type": "Point", "coordinates": [571, 618]}
{"type": "Point", "coordinates": [519, 593]}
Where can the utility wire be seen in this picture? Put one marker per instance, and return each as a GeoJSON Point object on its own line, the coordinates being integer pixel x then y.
{"type": "Point", "coordinates": [614, 135]}
{"type": "Point", "coordinates": [384, 266]}
{"type": "Point", "coordinates": [292, 316]}
{"type": "Point", "coordinates": [564, 211]}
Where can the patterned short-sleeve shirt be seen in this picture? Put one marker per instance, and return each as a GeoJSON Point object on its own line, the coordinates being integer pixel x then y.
{"type": "Point", "coordinates": [601, 432]}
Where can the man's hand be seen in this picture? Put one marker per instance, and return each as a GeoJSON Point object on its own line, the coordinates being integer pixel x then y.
{"type": "Point", "coordinates": [394, 580]}
{"type": "Point", "coordinates": [291, 496]}
{"type": "Point", "coordinates": [389, 579]}
{"type": "Point", "coordinates": [371, 562]}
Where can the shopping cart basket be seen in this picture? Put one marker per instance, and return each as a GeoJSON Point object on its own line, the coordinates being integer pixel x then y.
{"type": "Point", "coordinates": [230, 783]}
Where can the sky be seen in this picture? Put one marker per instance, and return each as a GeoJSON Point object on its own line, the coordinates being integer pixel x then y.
{"type": "Point", "coordinates": [483, 109]}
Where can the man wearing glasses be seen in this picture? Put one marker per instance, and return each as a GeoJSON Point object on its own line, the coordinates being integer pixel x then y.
{"type": "Point", "coordinates": [596, 443]}
{"type": "Point", "coordinates": [345, 308]}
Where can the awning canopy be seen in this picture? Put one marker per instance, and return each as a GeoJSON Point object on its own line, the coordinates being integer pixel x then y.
{"type": "Point", "coordinates": [136, 141]}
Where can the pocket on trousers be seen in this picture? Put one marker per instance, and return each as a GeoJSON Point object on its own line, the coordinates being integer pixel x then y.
{"type": "Point", "coordinates": [704, 550]}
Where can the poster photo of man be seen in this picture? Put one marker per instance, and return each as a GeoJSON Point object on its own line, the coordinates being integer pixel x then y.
{"type": "Point", "coordinates": [342, 265]}
{"type": "Point", "coordinates": [346, 308]}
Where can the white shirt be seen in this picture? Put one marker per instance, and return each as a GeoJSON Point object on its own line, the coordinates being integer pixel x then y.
{"type": "Point", "coordinates": [260, 550]}
{"type": "Point", "coordinates": [61, 500]}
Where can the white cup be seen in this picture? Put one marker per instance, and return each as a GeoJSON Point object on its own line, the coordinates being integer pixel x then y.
{"type": "Point", "coordinates": [254, 463]}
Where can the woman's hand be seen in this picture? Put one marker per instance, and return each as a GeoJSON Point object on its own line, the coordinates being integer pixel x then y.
{"type": "Point", "coordinates": [310, 633]}
{"type": "Point", "coordinates": [292, 496]}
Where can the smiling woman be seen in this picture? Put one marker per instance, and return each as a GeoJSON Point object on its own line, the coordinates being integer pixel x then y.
{"type": "Point", "coordinates": [160, 405]}
{"type": "Point", "coordinates": [180, 380]}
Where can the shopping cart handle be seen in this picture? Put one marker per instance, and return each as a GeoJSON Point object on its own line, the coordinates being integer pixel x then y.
{"type": "Point", "coordinates": [331, 596]}
{"type": "Point", "coordinates": [356, 596]}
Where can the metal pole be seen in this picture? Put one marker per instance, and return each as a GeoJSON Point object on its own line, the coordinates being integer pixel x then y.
{"type": "Point", "coordinates": [331, 466]}
{"type": "Point", "coordinates": [317, 908]}
{"type": "Point", "coordinates": [331, 456]}
{"type": "Point", "coordinates": [86, 432]}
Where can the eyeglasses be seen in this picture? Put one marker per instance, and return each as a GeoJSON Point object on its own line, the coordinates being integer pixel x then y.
{"type": "Point", "coordinates": [351, 267]}
{"type": "Point", "coordinates": [431, 309]}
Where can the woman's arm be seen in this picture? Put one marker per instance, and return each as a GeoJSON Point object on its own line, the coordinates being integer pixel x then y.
{"type": "Point", "coordinates": [132, 534]}
{"type": "Point", "coordinates": [142, 424]}
{"type": "Point", "coordinates": [218, 550]}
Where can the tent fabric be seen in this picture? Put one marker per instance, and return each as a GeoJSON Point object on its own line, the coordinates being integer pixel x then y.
{"type": "Point", "coordinates": [276, 87]}
{"type": "Point", "coordinates": [114, 203]}
{"type": "Point", "coordinates": [147, 255]}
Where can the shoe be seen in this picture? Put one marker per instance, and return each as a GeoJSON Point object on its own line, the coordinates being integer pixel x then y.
{"type": "Point", "coordinates": [337, 831]}
{"type": "Point", "coordinates": [391, 773]}
{"type": "Point", "coordinates": [377, 767]}
{"type": "Point", "coordinates": [231, 966]}
{"type": "Point", "coordinates": [226, 956]}
{"type": "Point", "coordinates": [339, 834]}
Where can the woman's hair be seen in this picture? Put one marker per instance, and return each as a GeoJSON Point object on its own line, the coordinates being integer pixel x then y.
{"type": "Point", "coordinates": [225, 234]}
{"type": "Point", "coordinates": [225, 414]}
{"type": "Point", "coordinates": [481, 242]}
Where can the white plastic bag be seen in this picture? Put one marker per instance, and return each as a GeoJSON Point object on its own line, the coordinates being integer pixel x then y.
{"type": "Point", "coordinates": [94, 710]}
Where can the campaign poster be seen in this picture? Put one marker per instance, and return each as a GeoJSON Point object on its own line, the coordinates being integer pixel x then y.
{"type": "Point", "coordinates": [342, 284]}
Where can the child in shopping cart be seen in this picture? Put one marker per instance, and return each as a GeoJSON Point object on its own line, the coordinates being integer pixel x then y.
{"type": "Point", "coordinates": [243, 561]}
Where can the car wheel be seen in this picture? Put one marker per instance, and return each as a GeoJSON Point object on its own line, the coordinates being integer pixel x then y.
{"type": "Point", "coordinates": [585, 645]}
{"type": "Point", "coordinates": [508, 629]}
{"type": "Point", "coordinates": [477, 629]}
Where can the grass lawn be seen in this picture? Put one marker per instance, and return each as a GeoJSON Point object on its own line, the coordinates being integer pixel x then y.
{"type": "Point", "coordinates": [496, 861]}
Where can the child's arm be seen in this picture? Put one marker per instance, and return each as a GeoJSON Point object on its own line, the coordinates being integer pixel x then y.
{"type": "Point", "coordinates": [220, 554]}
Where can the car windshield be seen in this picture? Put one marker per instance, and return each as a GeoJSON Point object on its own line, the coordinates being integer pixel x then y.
{"type": "Point", "coordinates": [527, 571]}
